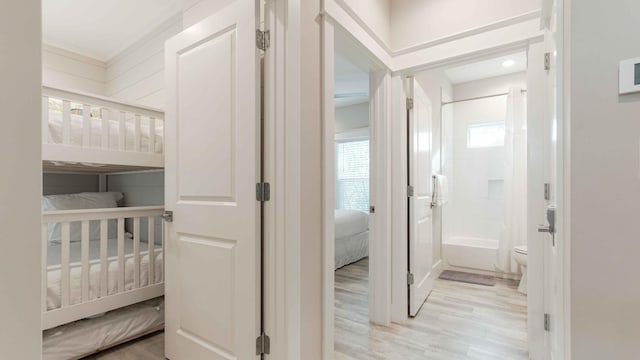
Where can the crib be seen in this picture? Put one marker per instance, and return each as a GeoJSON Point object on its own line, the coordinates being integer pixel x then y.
{"type": "Point", "coordinates": [104, 260]}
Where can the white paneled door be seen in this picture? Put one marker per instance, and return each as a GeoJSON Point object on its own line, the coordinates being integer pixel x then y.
{"type": "Point", "coordinates": [420, 187]}
{"type": "Point", "coordinates": [212, 167]}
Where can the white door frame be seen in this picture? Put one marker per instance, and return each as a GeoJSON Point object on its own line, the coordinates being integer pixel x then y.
{"type": "Point", "coordinates": [379, 235]}
{"type": "Point", "coordinates": [445, 51]}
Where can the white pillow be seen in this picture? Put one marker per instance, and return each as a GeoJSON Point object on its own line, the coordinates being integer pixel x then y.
{"type": "Point", "coordinates": [87, 200]}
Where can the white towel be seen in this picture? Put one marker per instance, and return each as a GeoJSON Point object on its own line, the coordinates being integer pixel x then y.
{"type": "Point", "coordinates": [440, 190]}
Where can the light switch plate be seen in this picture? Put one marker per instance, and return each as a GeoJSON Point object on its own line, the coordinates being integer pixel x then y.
{"type": "Point", "coordinates": [629, 76]}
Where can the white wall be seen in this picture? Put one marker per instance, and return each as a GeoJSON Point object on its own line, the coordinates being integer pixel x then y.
{"type": "Point", "coordinates": [195, 10]}
{"type": "Point", "coordinates": [605, 182]}
{"type": "Point", "coordinates": [352, 117]}
{"type": "Point", "coordinates": [418, 21]}
{"type": "Point", "coordinates": [376, 14]}
{"type": "Point", "coordinates": [20, 99]}
{"type": "Point", "coordinates": [68, 70]}
{"type": "Point", "coordinates": [137, 74]}
{"type": "Point", "coordinates": [436, 85]}
{"type": "Point", "coordinates": [476, 175]}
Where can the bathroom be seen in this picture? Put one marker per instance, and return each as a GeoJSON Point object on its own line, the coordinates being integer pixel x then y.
{"type": "Point", "coordinates": [484, 159]}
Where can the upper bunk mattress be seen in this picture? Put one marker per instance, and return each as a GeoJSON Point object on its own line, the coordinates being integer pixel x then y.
{"type": "Point", "coordinates": [76, 126]}
{"type": "Point", "coordinates": [350, 222]}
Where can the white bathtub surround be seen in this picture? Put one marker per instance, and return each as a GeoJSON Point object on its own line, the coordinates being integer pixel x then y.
{"type": "Point", "coordinates": [514, 228]}
{"type": "Point", "coordinates": [440, 190]}
{"type": "Point", "coordinates": [473, 255]}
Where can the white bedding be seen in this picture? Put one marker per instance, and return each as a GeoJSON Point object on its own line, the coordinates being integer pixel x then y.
{"type": "Point", "coordinates": [350, 222]}
{"type": "Point", "coordinates": [351, 236]}
{"type": "Point", "coordinates": [55, 133]}
{"type": "Point", "coordinates": [54, 270]}
{"type": "Point", "coordinates": [71, 341]}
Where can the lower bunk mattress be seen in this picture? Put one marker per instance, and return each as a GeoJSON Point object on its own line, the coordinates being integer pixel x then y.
{"type": "Point", "coordinates": [54, 271]}
{"type": "Point", "coordinates": [87, 336]}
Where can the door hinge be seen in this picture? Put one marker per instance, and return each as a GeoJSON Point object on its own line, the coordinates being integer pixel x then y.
{"type": "Point", "coordinates": [547, 61]}
{"type": "Point", "coordinates": [167, 216]}
{"type": "Point", "coordinates": [410, 191]}
{"type": "Point", "coordinates": [263, 39]}
{"type": "Point", "coordinates": [547, 322]}
{"type": "Point", "coordinates": [372, 209]}
{"type": "Point", "coordinates": [409, 279]}
{"type": "Point", "coordinates": [263, 191]}
{"type": "Point", "coordinates": [547, 191]}
{"type": "Point", "coordinates": [409, 103]}
{"type": "Point", "coordinates": [263, 344]}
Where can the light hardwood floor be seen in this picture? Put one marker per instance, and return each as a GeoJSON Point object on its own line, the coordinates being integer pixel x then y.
{"type": "Point", "coordinates": [458, 321]}
{"type": "Point", "coordinates": [150, 347]}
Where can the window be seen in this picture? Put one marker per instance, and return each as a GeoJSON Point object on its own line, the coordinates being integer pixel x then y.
{"type": "Point", "coordinates": [485, 135]}
{"type": "Point", "coordinates": [352, 175]}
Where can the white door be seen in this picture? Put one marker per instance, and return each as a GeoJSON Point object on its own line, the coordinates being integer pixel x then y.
{"type": "Point", "coordinates": [420, 184]}
{"type": "Point", "coordinates": [212, 167]}
{"type": "Point", "coordinates": [553, 242]}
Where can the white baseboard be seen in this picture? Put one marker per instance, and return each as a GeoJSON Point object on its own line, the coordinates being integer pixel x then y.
{"type": "Point", "coordinates": [437, 268]}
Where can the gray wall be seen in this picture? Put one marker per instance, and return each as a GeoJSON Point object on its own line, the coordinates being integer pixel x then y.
{"type": "Point", "coordinates": [140, 189]}
{"type": "Point", "coordinates": [605, 182]}
{"type": "Point", "coordinates": [20, 155]}
{"type": "Point", "coordinates": [53, 184]}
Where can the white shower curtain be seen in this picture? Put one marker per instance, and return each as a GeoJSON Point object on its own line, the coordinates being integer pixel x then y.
{"type": "Point", "coordinates": [514, 226]}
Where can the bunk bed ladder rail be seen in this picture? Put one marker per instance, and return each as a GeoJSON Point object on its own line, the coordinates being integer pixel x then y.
{"type": "Point", "coordinates": [77, 279]}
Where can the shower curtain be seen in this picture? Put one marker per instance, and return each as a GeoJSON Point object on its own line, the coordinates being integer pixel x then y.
{"type": "Point", "coordinates": [514, 226]}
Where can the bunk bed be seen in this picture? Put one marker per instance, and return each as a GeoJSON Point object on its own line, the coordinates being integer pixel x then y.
{"type": "Point", "coordinates": [102, 265]}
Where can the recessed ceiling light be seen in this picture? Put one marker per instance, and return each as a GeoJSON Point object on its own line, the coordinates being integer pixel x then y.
{"type": "Point", "coordinates": [508, 63]}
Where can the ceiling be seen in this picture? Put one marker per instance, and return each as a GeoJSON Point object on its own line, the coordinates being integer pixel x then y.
{"type": "Point", "coordinates": [351, 71]}
{"type": "Point", "coordinates": [102, 29]}
{"type": "Point", "coordinates": [487, 68]}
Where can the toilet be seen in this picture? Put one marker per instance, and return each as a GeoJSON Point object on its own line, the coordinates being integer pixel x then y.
{"type": "Point", "coordinates": [520, 256]}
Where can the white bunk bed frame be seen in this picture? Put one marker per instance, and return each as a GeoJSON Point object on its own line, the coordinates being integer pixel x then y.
{"type": "Point", "coordinates": [104, 302]}
{"type": "Point", "coordinates": [100, 158]}
{"type": "Point", "coordinates": [117, 160]}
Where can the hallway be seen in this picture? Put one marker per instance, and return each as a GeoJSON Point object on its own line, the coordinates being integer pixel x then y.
{"type": "Point", "coordinates": [458, 321]}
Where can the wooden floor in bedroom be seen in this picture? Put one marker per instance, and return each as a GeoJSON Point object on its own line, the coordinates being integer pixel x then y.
{"type": "Point", "coordinates": [458, 321]}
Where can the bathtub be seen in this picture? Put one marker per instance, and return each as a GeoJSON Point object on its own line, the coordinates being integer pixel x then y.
{"type": "Point", "coordinates": [469, 253]}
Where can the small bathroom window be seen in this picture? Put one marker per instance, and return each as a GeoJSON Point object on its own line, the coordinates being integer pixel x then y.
{"type": "Point", "coordinates": [485, 135]}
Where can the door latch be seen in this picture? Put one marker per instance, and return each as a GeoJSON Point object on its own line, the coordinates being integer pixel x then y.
{"type": "Point", "coordinates": [551, 219]}
{"type": "Point", "coordinates": [167, 216]}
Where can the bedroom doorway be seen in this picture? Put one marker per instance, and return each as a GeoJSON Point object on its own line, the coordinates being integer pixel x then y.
{"type": "Point", "coordinates": [357, 257]}
{"type": "Point", "coordinates": [352, 191]}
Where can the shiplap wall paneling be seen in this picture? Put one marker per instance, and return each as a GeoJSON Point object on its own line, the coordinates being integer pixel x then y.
{"type": "Point", "coordinates": [137, 74]}
{"type": "Point", "coordinates": [68, 70]}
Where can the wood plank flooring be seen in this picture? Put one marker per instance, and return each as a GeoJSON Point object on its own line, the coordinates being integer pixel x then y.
{"type": "Point", "coordinates": [458, 321]}
{"type": "Point", "coordinates": [150, 347]}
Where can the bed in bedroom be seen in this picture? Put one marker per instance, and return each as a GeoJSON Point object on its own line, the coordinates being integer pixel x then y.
{"type": "Point", "coordinates": [351, 236]}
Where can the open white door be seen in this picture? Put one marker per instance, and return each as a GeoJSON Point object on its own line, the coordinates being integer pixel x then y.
{"type": "Point", "coordinates": [553, 239]}
{"type": "Point", "coordinates": [419, 115]}
{"type": "Point", "coordinates": [212, 167]}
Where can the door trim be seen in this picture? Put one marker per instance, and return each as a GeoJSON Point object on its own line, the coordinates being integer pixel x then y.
{"type": "Point", "coordinates": [380, 225]}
